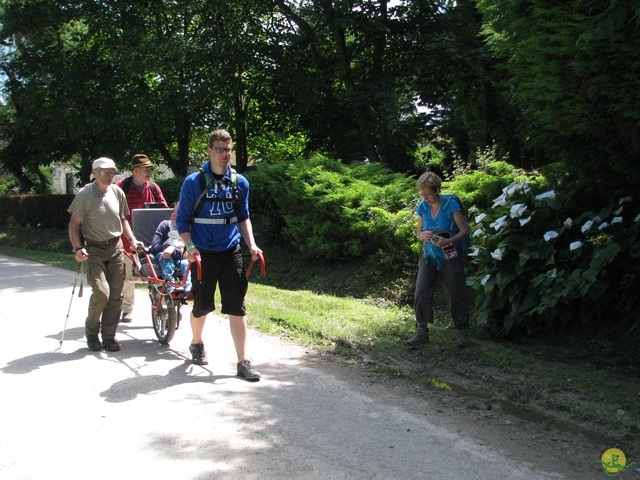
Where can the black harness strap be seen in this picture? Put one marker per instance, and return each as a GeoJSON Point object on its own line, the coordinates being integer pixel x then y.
{"type": "Point", "coordinates": [126, 185]}
{"type": "Point", "coordinates": [204, 186]}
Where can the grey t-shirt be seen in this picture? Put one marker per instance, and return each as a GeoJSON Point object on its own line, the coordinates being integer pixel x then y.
{"type": "Point", "coordinates": [101, 213]}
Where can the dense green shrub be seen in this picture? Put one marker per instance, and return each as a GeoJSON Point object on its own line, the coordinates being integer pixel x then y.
{"type": "Point", "coordinates": [429, 158]}
{"type": "Point", "coordinates": [8, 183]}
{"type": "Point", "coordinates": [330, 210]}
{"type": "Point", "coordinates": [171, 188]}
{"type": "Point", "coordinates": [536, 270]}
{"type": "Point", "coordinates": [42, 211]}
{"type": "Point", "coordinates": [5, 209]}
{"type": "Point", "coordinates": [479, 187]}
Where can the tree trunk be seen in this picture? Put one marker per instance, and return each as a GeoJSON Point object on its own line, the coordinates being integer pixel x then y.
{"type": "Point", "coordinates": [167, 157]}
{"type": "Point", "coordinates": [241, 132]}
{"type": "Point", "coordinates": [364, 126]}
{"type": "Point", "coordinates": [179, 166]}
{"type": "Point", "coordinates": [85, 166]}
{"type": "Point", "coordinates": [25, 184]}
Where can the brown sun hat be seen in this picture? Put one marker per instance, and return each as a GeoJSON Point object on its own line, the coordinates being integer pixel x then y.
{"type": "Point", "coordinates": [141, 160]}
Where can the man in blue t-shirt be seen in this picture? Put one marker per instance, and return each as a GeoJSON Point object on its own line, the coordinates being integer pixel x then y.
{"type": "Point", "coordinates": [214, 234]}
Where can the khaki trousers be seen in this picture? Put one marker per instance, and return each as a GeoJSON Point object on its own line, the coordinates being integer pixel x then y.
{"type": "Point", "coordinates": [105, 274]}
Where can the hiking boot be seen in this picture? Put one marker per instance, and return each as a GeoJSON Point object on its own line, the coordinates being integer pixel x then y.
{"type": "Point", "coordinates": [421, 337]}
{"type": "Point", "coordinates": [93, 342]}
{"type": "Point", "coordinates": [198, 354]}
{"type": "Point", "coordinates": [126, 317]}
{"type": "Point", "coordinates": [110, 345]}
{"type": "Point", "coordinates": [246, 370]}
{"type": "Point", "coordinates": [463, 338]}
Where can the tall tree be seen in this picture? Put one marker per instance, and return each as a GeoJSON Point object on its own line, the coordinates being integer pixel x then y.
{"type": "Point", "coordinates": [579, 99]}
{"type": "Point", "coordinates": [338, 73]}
{"type": "Point", "coordinates": [456, 78]}
{"type": "Point", "coordinates": [112, 78]}
{"type": "Point", "coordinates": [50, 59]}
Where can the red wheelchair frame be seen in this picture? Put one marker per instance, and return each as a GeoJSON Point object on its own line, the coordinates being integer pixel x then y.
{"type": "Point", "coordinates": [165, 305]}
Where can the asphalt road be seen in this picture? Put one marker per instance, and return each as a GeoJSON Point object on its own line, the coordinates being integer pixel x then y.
{"type": "Point", "coordinates": [147, 412]}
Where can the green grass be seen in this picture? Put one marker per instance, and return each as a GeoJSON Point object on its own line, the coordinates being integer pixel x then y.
{"type": "Point", "coordinates": [323, 321]}
{"type": "Point", "coordinates": [355, 314]}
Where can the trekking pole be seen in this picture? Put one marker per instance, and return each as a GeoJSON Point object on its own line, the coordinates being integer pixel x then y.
{"type": "Point", "coordinates": [73, 291]}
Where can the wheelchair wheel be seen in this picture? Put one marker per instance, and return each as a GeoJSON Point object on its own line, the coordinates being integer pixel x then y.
{"type": "Point", "coordinates": [165, 318]}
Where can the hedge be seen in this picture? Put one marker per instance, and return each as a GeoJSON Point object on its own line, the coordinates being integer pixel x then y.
{"type": "Point", "coordinates": [40, 211]}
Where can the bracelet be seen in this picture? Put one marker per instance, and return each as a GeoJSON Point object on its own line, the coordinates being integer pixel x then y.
{"type": "Point", "coordinates": [189, 246]}
{"type": "Point", "coordinates": [76, 250]}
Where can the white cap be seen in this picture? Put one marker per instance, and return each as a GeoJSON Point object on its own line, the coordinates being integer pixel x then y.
{"type": "Point", "coordinates": [104, 162]}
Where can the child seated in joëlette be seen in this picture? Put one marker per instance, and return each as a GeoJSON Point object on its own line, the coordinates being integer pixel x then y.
{"type": "Point", "coordinates": [168, 249]}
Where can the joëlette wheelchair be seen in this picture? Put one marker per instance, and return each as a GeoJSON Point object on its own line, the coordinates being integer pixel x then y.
{"type": "Point", "coordinates": [165, 302]}
{"type": "Point", "coordinates": [167, 297]}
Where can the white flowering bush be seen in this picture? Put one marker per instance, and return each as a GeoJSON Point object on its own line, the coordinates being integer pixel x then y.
{"type": "Point", "coordinates": [533, 269]}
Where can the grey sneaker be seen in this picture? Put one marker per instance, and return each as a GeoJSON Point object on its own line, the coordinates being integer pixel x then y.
{"type": "Point", "coordinates": [421, 337]}
{"type": "Point", "coordinates": [126, 317]}
{"type": "Point", "coordinates": [246, 370]}
{"type": "Point", "coordinates": [198, 354]}
{"type": "Point", "coordinates": [463, 338]}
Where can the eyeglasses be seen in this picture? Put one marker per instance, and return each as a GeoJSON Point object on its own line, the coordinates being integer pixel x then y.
{"type": "Point", "coordinates": [426, 194]}
{"type": "Point", "coordinates": [222, 150]}
{"type": "Point", "coordinates": [104, 173]}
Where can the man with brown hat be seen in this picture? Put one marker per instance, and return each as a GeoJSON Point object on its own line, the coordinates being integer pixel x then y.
{"type": "Point", "coordinates": [139, 190]}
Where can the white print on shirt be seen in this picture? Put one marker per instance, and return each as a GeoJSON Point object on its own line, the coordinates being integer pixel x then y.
{"type": "Point", "coordinates": [221, 208]}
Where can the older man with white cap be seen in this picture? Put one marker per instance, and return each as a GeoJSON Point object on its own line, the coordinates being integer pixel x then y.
{"type": "Point", "coordinates": [101, 208]}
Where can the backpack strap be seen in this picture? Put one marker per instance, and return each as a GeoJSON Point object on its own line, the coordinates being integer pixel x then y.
{"type": "Point", "coordinates": [202, 178]}
{"type": "Point", "coordinates": [205, 184]}
{"type": "Point", "coordinates": [126, 186]}
{"type": "Point", "coordinates": [234, 186]}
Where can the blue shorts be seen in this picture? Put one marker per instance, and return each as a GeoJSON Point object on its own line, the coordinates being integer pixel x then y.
{"type": "Point", "coordinates": [225, 269]}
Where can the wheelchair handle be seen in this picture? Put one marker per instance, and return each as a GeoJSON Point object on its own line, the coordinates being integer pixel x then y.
{"type": "Point", "coordinates": [263, 265]}
{"type": "Point", "coordinates": [198, 262]}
